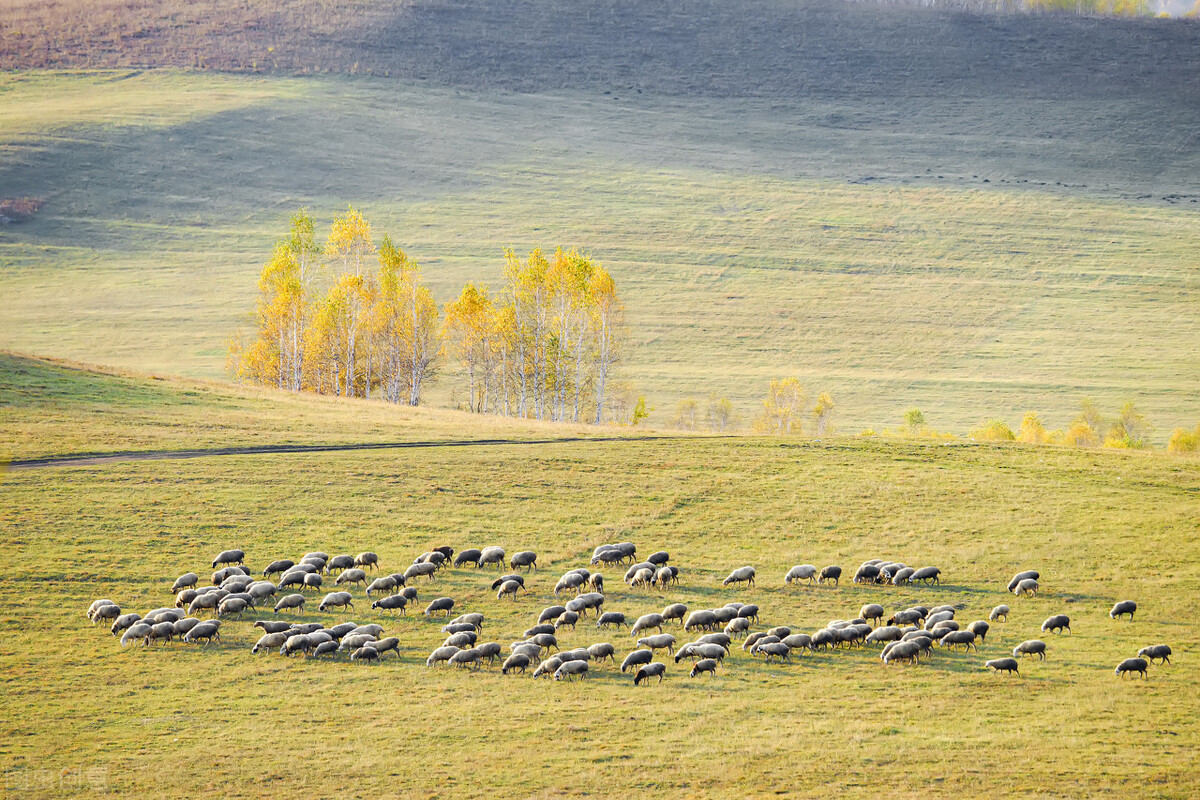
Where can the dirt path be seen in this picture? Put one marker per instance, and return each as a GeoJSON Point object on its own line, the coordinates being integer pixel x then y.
{"type": "Point", "coordinates": [91, 459]}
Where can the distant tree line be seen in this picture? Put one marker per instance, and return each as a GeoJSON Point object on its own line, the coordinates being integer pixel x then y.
{"type": "Point", "coordinates": [1128, 430]}
{"type": "Point", "coordinates": [356, 320]}
{"type": "Point", "coordinates": [1109, 8]}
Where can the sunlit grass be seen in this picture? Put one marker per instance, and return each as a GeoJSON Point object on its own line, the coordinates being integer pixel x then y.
{"type": "Point", "coordinates": [1101, 526]}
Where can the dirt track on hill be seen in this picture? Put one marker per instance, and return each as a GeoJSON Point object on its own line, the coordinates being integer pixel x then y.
{"type": "Point", "coordinates": [92, 459]}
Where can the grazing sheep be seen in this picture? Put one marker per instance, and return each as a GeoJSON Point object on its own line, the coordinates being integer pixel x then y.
{"type": "Point", "coordinates": [325, 649]}
{"type": "Point", "coordinates": [288, 602]}
{"type": "Point", "coordinates": [229, 557]}
{"type": "Point", "coordinates": [544, 641]}
{"type": "Point", "coordinates": [780, 631]}
{"type": "Point", "coordinates": [453, 627]}
{"type": "Point", "coordinates": [609, 555]}
{"type": "Point", "coordinates": [206, 631]}
{"type": "Point", "coordinates": [867, 573]}
{"type": "Point", "coordinates": [1027, 586]}
{"type": "Point", "coordinates": [771, 650]}
{"type": "Point", "coordinates": [135, 632]}
{"type": "Point", "coordinates": [1033, 647]}
{"type": "Point", "coordinates": [704, 619]}
{"type": "Point", "coordinates": [965, 638]}
{"type": "Point", "coordinates": [980, 628]}
{"type": "Point", "coordinates": [637, 658]}
{"type": "Point", "coordinates": [393, 602]}
{"type": "Point", "coordinates": [725, 614]}
{"type": "Point", "coordinates": [661, 641]}
{"type": "Point", "coordinates": [675, 611]}
{"type": "Point", "coordinates": [572, 580]}
{"type": "Point", "coordinates": [1004, 665]}
{"type": "Point", "coordinates": [314, 561]}
{"type": "Point", "coordinates": [738, 625]}
{"type": "Point", "coordinates": [902, 576]}
{"type": "Point", "coordinates": [1057, 623]}
{"type": "Point", "coordinates": [999, 613]}
{"type": "Point", "coordinates": [409, 593]}
{"type": "Point", "coordinates": [489, 650]}
{"type": "Point", "coordinates": [492, 555]}
{"type": "Point", "coordinates": [270, 641]}
{"type": "Point", "coordinates": [339, 562]}
{"type": "Point", "coordinates": [232, 605]}
{"type": "Point", "coordinates": [466, 658]}
{"type": "Point", "coordinates": [740, 575]}
{"type": "Point", "coordinates": [1159, 651]}
{"type": "Point", "coordinates": [614, 618]}
{"type": "Point", "coordinates": [95, 608]}
{"type": "Point", "coordinates": [336, 600]}
{"type": "Point", "coordinates": [1122, 608]}
{"type": "Point", "coordinates": [1031, 574]}
{"type": "Point", "coordinates": [578, 654]}
{"type": "Point", "coordinates": [294, 578]}
{"type": "Point", "coordinates": [367, 560]}
{"type": "Point", "coordinates": [473, 618]}
{"type": "Point", "coordinates": [909, 616]}
{"type": "Point", "coordinates": [934, 618]}
{"type": "Point", "coordinates": [278, 567]}
{"type": "Point", "coordinates": [650, 670]}
{"type": "Point", "coordinates": [947, 624]}
{"type": "Point", "coordinates": [1131, 665]}
{"type": "Point", "coordinates": [872, 612]}
{"type": "Point", "coordinates": [831, 573]}
{"type": "Point", "coordinates": [509, 588]}
{"type": "Point", "coordinates": [642, 577]}
{"type": "Point", "coordinates": [749, 611]}
{"type": "Point", "coordinates": [702, 666]}
{"type": "Point", "coordinates": [582, 603]}
{"type": "Point", "coordinates": [385, 583]}
{"type": "Point", "coordinates": [470, 556]}
{"type": "Point", "coordinates": [514, 662]}
{"type": "Point", "coordinates": [186, 581]}
{"type": "Point", "coordinates": [709, 650]}
{"type": "Point", "coordinates": [596, 581]}
{"type": "Point", "coordinates": [800, 572]}
{"type": "Point", "coordinates": [272, 626]}
{"type": "Point", "coordinates": [440, 654]}
{"type": "Point", "coordinates": [566, 618]}
{"type": "Point", "coordinates": [664, 576]}
{"type": "Point", "coordinates": [902, 651]}
{"type": "Point", "coordinates": [384, 645]}
{"type": "Point", "coordinates": [124, 622]}
{"type": "Point", "coordinates": [440, 604]}
{"type": "Point", "coordinates": [418, 570]}
{"type": "Point", "coordinates": [926, 574]}
{"type": "Point", "coordinates": [353, 641]}
{"type": "Point", "coordinates": [647, 621]}
{"type": "Point", "coordinates": [658, 558]}
{"type": "Point", "coordinates": [185, 597]}
{"type": "Point", "coordinates": [548, 667]}
{"type": "Point", "coordinates": [753, 639]}
{"type": "Point", "coordinates": [798, 641]}
{"type": "Point", "coordinates": [550, 613]}
{"type": "Point", "coordinates": [206, 602]}
{"type": "Point", "coordinates": [520, 579]}
{"type": "Point", "coordinates": [261, 590]}
{"type": "Point", "coordinates": [525, 558]}
{"type": "Point", "coordinates": [886, 633]}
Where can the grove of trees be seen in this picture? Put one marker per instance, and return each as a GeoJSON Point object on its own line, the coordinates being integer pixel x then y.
{"type": "Point", "coordinates": [353, 319]}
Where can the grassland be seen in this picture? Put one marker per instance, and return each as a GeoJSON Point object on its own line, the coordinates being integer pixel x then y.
{"type": "Point", "coordinates": [176, 721]}
{"type": "Point", "coordinates": [743, 250]}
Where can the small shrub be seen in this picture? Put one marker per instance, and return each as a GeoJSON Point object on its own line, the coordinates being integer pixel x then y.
{"type": "Point", "coordinates": [994, 431]}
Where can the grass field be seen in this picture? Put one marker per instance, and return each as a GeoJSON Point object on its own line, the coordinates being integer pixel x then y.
{"type": "Point", "coordinates": [750, 242]}
{"type": "Point", "coordinates": [176, 720]}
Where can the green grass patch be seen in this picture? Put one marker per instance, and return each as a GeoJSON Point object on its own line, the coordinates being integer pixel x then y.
{"type": "Point", "coordinates": [1101, 526]}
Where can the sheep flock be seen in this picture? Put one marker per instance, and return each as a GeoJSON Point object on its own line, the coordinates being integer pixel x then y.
{"type": "Point", "coordinates": [691, 641]}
